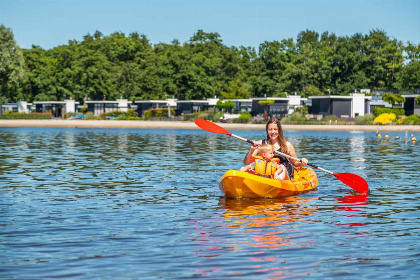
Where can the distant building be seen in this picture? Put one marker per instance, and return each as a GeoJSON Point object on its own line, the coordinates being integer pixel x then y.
{"type": "Point", "coordinates": [410, 106]}
{"type": "Point", "coordinates": [192, 106]}
{"type": "Point", "coordinates": [143, 105]}
{"type": "Point", "coordinates": [281, 106]}
{"type": "Point", "coordinates": [105, 106]}
{"type": "Point", "coordinates": [18, 107]}
{"type": "Point", "coordinates": [341, 106]}
{"type": "Point", "coordinates": [57, 109]}
{"type": "Point", "coordinates": [241, 105]}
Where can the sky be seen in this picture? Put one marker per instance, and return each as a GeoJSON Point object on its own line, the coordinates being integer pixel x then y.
{"type": "Point", "coordinates": [50, 23]}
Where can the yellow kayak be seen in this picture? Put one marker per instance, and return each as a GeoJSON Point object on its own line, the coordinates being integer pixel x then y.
{"type": "Point", "coordinates": [238, 184]}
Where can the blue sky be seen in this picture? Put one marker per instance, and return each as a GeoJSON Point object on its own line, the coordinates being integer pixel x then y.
{"type": "Point", "coordinates": [49, 23]}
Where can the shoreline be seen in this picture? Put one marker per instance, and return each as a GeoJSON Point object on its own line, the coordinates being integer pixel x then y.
{"type": "Point", "coordinates": [191, 125]}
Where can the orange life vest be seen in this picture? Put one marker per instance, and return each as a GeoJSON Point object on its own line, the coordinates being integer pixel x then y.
{"type": "Point", "coordinates": [264, 167]}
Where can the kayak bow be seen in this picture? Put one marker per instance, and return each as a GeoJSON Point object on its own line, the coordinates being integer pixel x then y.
{"type": "Point", "coordinates": [238, 184]}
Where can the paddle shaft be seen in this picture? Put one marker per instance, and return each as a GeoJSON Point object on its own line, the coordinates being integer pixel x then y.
{"type": "Point", "coordinates": [283, 154]}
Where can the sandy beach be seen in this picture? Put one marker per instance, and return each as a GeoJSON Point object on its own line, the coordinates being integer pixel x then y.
{"type": "Point", "coordinates": [191, 125]}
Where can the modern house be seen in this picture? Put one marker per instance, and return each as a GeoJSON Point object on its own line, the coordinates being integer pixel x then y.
{"type": "Point", "coordinates": [242, 105]}
{"type": "Point", "coordinates": [192, 106]}
{"type": "Point", "coordinates": [105, 106]}
{"type": "Point", "coordinates": [57, 109]}
{"type": "Point", "coordinates": [410, 105]}
{"type": "Point", "coordinates": [142, 105]}
{"type": "Point", "coordinates": [281, 106]}
{"type": "Point", "coordinates": [341, 106]}
{"type": "Point", "coordinates": [18, 107]}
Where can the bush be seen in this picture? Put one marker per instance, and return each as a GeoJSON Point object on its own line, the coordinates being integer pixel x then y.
{"type": "Point", "coordinates": [245, 115]}
{"type": "Point", "coordinates": [303, 110]}
{"type": "Point", "coordinates": [413, 119]}
{"type": "Point", "coordinates": [295, 117]}
{"type": "Point", "coordinates": [157, 113]}
{"type": "Point", "coordinates": [380, 110]}
{"type": "Point", "coordinates": [36, 116]}
{"type": "Point", "coordinates": [9, 112]}
{"type": "Point", "coordinates": [207, 115]}
{"type": "Point", "coordinates": [385, 118]}
{"type": "Point", "coordinates": [366, 119]}
{"type": "Point", "coordinates": [90, 116]}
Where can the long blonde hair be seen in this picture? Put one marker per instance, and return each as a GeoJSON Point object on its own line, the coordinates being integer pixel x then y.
{"type": "Point", "coordinates": [281, 139]}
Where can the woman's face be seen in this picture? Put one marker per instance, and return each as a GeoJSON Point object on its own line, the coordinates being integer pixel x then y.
{"type": "Point", "coordinates": [273, 131]}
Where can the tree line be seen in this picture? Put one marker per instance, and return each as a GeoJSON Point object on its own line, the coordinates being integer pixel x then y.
{"type": "Point", "coordinates": [110, 67]}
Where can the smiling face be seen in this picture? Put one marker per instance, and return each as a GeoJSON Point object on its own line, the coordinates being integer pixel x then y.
{"type": "Point", "coordinates": [272, 132]}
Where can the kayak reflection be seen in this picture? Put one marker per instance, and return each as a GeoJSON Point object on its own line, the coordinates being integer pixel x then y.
{"type": "Point", "coordinates": [265, 219]}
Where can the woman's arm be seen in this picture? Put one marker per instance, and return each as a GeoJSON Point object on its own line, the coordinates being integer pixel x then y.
{"type": "Point", "coordinates": [292, 152]}
{"type": "Point", "coordinates": [252, 152]}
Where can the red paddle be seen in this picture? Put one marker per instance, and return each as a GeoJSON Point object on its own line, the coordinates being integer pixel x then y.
{"type": "Point", "coordinates": [354, 181]}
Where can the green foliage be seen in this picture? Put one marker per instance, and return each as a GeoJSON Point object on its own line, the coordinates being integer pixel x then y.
{"type": "Point", "coordinates": [84, 110]}
{"type": "Point", "coordinates": [364, 120]}
{"type": "Point", "coordinates": [225, 105]}
{"type": "Point", "coordinates": [393, 98]}
{"type": "Point", "coordinates": [312, 90]}
{"type": "Point", "coordinates": [11, 65]}
{"type": "Point", "coordinates": [380, 110]}
{"type": "Point", "coordinates": [265, 102]}
{"type": "Point", "coordinates": [100, 67]}
{"type": "Point", "coordinates": [36, 116]}
{"type": "Point", "coordinates": [417, 100]}
{"type": "Point", "coordinates": [303, 110]}
{"type": "Point", "coordinates": [245, 115]}
{"type": "Point", "coordinates": [413, 119]}
{"type": "Point", "coordinates": [157, 113]}
{"type": "Point", "coordinates": [90, 116]}
{"type": "Point", "coordinates": [237, 90]}
{"type": "Point", "coordinates": [207, 115]}
{"type": "Point", "coordinates": [295, 117]}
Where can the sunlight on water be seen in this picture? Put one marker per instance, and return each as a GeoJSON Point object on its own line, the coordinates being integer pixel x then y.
{"type": "Point", "coordinates": [145, 204]}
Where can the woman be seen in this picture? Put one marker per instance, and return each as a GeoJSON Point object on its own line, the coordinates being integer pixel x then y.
{"type": "Point", "coordinates": [276, 138]}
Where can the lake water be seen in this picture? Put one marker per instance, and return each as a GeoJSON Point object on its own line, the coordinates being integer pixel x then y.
{"type": "Point", "coordinates": [145, 204]}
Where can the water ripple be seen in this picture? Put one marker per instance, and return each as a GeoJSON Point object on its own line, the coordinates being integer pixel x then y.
{"type": "Point", "coordinates": [145, 204]}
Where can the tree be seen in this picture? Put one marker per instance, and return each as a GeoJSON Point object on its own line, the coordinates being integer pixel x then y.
{"type": "Point", "coordinates": [417, 100]}
{"type": "Point", "coordinates": [237, 89]}
{"type": "Point", "coordinates": [225, 105]}
{"type": "Point", "coordinates": [266, 104]}
{"type": "Point", "coordinates": [393, 98]}
{"type": "Point", "coordinates": [11, 65]}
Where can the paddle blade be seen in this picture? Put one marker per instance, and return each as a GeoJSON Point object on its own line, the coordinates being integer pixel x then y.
{"type": "Point", "coordinates": [354, 181]}
{"type": "Point", "coordinates": [211, 127]}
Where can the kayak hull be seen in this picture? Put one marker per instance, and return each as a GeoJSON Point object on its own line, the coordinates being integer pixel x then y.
{"type": "Point", "coordinates": [238, 184]}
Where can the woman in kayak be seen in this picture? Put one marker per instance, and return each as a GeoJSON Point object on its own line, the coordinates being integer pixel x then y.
{"type": "Point", "coordinates": [266, 165]}
{"type": "Point", "coordinates": [276, 138]}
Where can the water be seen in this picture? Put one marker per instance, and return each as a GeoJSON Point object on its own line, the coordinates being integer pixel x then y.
{"type": "Point", "coordinates": [145, 204]}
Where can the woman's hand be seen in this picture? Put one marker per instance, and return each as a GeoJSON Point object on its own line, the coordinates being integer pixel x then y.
{"type": "Point", "coordinates": [254, 145]}
{"type": "Point", "coordinates": [304, 161]}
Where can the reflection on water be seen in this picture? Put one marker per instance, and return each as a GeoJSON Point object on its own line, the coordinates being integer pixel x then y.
{"type": "Point", "coordinates": [119, 203]}
{"type": "Point", "coordinates": [263, 218]}
{"type": "Point", "coordinates": [352, 206]}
